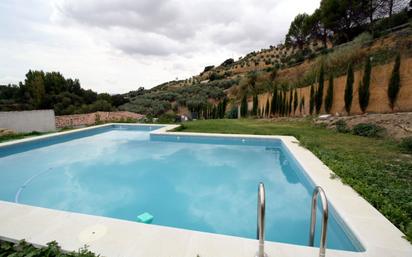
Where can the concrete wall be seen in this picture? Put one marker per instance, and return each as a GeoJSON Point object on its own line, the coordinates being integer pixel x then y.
{"type": "Point", "coordinates": [28, 121]}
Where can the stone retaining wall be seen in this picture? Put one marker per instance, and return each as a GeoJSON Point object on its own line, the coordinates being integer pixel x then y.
{"type": "Point", "coordinates": [80, 120]}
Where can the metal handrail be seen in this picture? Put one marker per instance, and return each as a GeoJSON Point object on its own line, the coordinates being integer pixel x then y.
{"type": "Point", "coordinates": [325, 215]}
{"type": "Point", "coordinates": [261, 220]}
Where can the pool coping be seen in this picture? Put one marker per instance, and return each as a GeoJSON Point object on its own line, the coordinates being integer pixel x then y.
{"type": "Point", "coordinates": [114, 237]}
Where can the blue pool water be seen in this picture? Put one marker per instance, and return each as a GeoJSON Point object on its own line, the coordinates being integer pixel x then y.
{"type": "Point", "coordinates": [198, 183]}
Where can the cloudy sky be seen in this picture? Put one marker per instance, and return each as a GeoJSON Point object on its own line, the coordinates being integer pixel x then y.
{"type": "Point", "coordinates": [118, 45]}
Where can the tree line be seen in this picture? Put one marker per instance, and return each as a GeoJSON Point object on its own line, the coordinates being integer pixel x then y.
{"type": "Point", "coordinates": [50, 90]}
{"type": "Point", "coordinates": [339, 21]}
{"type": "Point", "coordinates": [285, 102]}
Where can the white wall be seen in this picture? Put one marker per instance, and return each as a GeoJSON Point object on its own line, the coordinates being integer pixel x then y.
{"type": "Point", "coordinates": [28, 121]}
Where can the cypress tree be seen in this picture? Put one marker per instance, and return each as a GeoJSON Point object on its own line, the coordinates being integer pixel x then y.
{"type": "Point", "coordinates": [302, 105]}
{"type": "Point", "coordinates": [295, 102]}
{"type": "Point", "coordinates": [290, 101]}
{"type": "Point", "coordinates": [349, 89]}
{"type": "Point", "coordinates": [213, 113]}
{"type": "Point", "coordinates": [224, 105]}
{"type": "Point", "coordinates": [274, 101]}
{"type": "Point", "coordinates": [243, 107]}
{"type": "Point", "coordinates": [319, 93]}
{"type": "Point", "coordinates": [280, 103]}
{"type": "Point", "coordinates": [267, 108]}
{"type": "Point", "coordinates": [329, 95]}
{"type": "Point", "coordinates": [221, 110]}
{"type": "Point", "coordinates": [311, 100]}
{"type": "Point", "coordinates": [255, 105]}
{"type": "Point", "coordinates": [363, 91]}
{"type": "Point", "coordinates": [394, 83]}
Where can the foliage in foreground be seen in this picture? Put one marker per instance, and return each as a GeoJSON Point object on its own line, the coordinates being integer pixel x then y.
{"type": "Point", "coordinates": [406, 144]}
{"type": "Point", "coordinates": [24, 249]}
{"type": "Point", "coordinates": [375, 168]}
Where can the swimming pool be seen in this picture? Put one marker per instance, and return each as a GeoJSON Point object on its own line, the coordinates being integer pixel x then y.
{"type": "Point", "coordinates": [199, 183]}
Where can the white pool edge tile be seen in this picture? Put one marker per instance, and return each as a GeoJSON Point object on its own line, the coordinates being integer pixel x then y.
{"type": "Point", "coordinates": [126, 238]}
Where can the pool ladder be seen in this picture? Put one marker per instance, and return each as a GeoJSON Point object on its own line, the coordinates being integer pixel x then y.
{"type": "Point", "coordinates": [261, 220]}
{"type": "Point", "coordinates": [325, 216]}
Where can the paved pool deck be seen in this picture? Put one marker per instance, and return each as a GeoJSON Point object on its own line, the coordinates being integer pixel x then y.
{"type": "Point", "coordinates": [113, 237]}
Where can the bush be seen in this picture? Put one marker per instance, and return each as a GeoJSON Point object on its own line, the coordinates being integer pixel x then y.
{"type": "Point", "coordinates": [52, 249]}
{"type": "Point", "coordinates": [167, 118]}
{"type": "Point", "coordinates": [383, 26]}
{"type": "Point", "coordinates": [232, 114]}
{"type": "Point", "coordinates": [338, 58]}
{"type": "Point", "coordinates": [406, 144]}
{"type": "Point", "coordinates": [367, 130]}
{"type": "Point", "coordinates": [341, 126]}
{"type": "Point", "coordinates": [208, 68]}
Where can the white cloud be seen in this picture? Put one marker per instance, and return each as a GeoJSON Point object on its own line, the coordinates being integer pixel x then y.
{"type": "Point", "coordinates": [117, 46]}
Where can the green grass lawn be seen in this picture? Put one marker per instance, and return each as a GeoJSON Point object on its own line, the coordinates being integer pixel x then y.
{"type": "Point", "coordinates": [4, 138]}
{"type": "Point", "coordinates": [376, 168]}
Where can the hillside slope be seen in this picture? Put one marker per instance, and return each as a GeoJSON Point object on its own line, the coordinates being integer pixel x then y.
{"type": "Point", "coordinates": [286, 68]}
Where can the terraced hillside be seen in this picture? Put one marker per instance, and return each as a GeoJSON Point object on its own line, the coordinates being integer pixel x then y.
{"type": "Point", "coordinates": [284, 67]}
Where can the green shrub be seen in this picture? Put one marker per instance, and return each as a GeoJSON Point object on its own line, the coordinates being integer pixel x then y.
{"type": "Point", "coordinates": [406, 144]}
{"type": "Point", "coordinates": [341, 126]}
{"type": "Point", "coordinates": [367, 130]}
{"type": "Point", "coordinates": [232, 114]}
{"type": "Point", "coordinates": [383, 26]}
{"type": "Point", "coordinates": [52, 249]}
{"type": "Point", "coordinates": [338, 58]}
{"type": "Point", "coordinates": [167, 118]}
{"type": "Point", "coordinates": [14, 136]}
